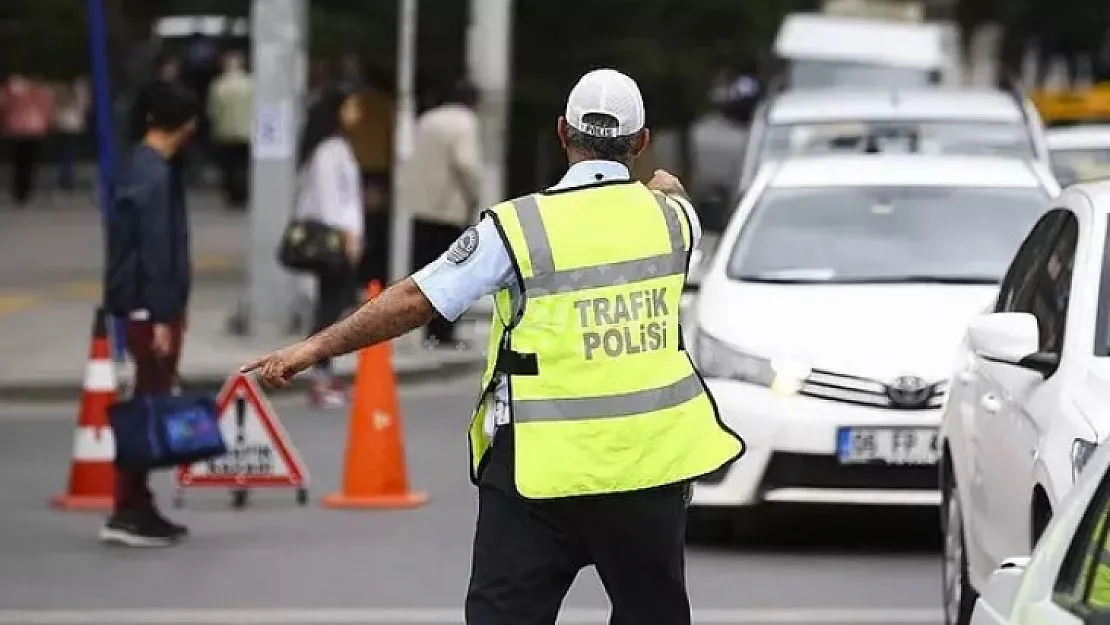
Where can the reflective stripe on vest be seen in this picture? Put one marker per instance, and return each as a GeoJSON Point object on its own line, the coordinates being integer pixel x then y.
{"type": "Point", "coordinates": [609, 401]}
{"type": "Point", "coordinates": [547, 279]}
{"type": "Point", "coordinates": [535, 410]}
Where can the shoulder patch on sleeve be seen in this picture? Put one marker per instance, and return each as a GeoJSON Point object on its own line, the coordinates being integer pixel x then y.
{"type": "Point", "coordinates": [461, 250]}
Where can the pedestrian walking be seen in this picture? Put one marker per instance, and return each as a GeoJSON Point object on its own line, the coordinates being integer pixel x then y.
{"type": "Point", "coordinates": [329, 192]}
{"type": "Point", "coordinates": [26, 113]}
{"type": "Point", "coordinates": [447, 172]}
{"type": "Point", "coordinates": [229, 109]}
{"type": "Point", "coordinates": [591, 422]}
{"type": "Point", "coordinates": [147, 280]}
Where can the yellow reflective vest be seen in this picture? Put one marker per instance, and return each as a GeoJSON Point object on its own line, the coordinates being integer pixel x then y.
{"type": "Point", "coordinates": [603, 398]}
{"type": "Point", "coordinates": [1098, 554]}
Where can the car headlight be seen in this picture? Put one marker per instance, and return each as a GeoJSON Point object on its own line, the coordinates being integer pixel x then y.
{"type": "Point", "coordinates": [718, 360]}
{"type": "Point", "coordinates": [1081, 452]}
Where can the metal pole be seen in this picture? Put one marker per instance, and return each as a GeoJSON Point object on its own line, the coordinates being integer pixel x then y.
{"type": "Point", "coordinates": [400, 256]}
{"type": "Point", "coordinates": [489, 57]}
{"type": "Point", "coordinates": [278, 50]}
{"type": "Point", "coordinates": [105, 136]}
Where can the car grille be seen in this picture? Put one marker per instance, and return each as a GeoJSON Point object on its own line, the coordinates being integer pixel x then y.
{"type": "Point", "coordinates": [864, 391]}
{"type": "Point", "coordinates": [790, 470]}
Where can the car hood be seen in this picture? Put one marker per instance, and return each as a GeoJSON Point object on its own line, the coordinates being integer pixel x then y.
{"type": "Point", "coordinates": [874, 331]}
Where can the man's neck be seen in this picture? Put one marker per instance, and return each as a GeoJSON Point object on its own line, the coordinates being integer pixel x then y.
{"type": "Point", "coordinates": [575, 158]}
{"type": "Point", "coordinates": [160, 144]}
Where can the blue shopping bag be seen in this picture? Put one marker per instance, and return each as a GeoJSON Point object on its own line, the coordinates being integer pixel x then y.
{"type": "Point", "coordinates": [161, 431]}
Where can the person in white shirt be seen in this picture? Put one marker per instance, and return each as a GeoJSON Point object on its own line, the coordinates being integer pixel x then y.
{"type": "Point", "coordinates": [447, 173]}
{"type": "Point", "coordinates": [329, 191]}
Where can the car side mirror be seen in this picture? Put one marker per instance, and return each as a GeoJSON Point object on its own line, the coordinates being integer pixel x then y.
{"type": "Point", "coordinates": [1012, 338]}
{"type": "Point", "coordinates": [1002, 588]}
{"type": "Point", "coordinates": [1005, 337]}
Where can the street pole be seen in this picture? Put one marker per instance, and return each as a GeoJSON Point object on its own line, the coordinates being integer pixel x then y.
{"type": "Point", "coordinates": [489, 57]}
{"type": "Point", "coordinates": [105, 135]}
{"type": "Point", "coordinates": [400, 257]}
{"type": "Point", "coordinates": [278, 41]}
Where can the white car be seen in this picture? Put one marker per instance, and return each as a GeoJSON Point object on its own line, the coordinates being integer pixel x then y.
{"type": "Point", "coordinates": [951, 121]}
{"type": "Point", "coordinates": [1029, 394]}
{"type": "Point", "coordinates": [1065, 581]}
{"type": "Point", "coordinates": [828, 318]}
{"type": "Point", "coordinates": [1080, 153]}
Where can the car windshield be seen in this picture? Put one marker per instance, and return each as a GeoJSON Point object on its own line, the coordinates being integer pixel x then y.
{"type": "Point", "coordinates": [884, 234]}
{"type": "Point", "coordinates": [1083, 165]}
{"type": "Point", "coordinates": [913, 136]}
{"type": "Point", "coordinates": [807, 74]}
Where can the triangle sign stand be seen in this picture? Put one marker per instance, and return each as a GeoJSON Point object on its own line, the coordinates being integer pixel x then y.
{"type": "Point", "coordinates": [260, 451]}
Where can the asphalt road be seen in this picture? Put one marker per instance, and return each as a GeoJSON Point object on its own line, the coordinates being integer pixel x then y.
{"type": "Point", "coordinates": [277, 563]}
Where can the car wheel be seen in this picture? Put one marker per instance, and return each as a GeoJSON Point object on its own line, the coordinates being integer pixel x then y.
{"type": "Point", "coordinates": [959, 596]}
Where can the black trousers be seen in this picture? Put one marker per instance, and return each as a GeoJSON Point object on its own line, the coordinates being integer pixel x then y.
{"type": "Point", "coordinates": [377, 231]}
{"type": "Point", "coordinates": [429, 241]}
{"type": "Point", "coordinates": [335, 292]}
{"type": "Point", "coordinates": [527, 553]}
{"type": "Point", "coordinates": [234, 159]}
{"type": "Point", "coordinates": [25, 156]}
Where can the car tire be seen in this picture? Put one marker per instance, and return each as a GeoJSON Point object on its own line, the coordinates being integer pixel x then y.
{"type": "Point", "coordinates": [959, 596]}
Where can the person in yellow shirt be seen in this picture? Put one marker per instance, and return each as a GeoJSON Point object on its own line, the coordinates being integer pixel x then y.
{"type": "Point", "coordinates": [230, 103]}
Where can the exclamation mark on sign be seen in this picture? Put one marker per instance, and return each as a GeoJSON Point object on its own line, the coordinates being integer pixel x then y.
{"type": "Point", "coordinates": [240, 435]}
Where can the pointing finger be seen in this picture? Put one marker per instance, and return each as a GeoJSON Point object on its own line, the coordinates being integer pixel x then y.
{"type": "Point", "coordinates": [247, 368]}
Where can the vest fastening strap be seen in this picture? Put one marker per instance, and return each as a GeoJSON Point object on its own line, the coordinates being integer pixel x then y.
{"type": "Point", "coordinates": [1104, 557]}
{"type": "Point", "coordinates": [545, 279]}
{"type": "Point", "coordinates": [639, 402]}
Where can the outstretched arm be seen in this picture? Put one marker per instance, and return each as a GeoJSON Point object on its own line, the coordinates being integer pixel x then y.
{"type": "Point", "coordinates": [398, 310]}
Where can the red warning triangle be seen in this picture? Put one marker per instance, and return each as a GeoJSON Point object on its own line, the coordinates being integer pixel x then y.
{"type": "Point", "coordinates": [260, 452]}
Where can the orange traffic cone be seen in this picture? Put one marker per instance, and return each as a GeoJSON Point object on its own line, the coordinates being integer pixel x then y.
{"type": "Point", "coordinates": [374, 474]}
{"type": "Point", "coordinates": [92, 473]}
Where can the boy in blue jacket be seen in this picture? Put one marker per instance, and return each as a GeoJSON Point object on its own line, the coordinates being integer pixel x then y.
{"type": "Point", "coordinates": [147, 281]}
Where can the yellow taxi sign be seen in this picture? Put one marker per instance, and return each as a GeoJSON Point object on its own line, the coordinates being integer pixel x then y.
{"type": "Point", "coordinates": [1082, 105]}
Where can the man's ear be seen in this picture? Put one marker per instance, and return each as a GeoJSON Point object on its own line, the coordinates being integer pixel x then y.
{"type": "Point", "coordinates": [561, 131]}
{"type": "Point", "coordinates": [643, 139]}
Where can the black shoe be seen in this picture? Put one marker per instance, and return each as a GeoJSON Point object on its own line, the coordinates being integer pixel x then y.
{"type": "Point", "coordinates": [178, 531]}
{"type": "Point", "coordinates": [137, 529]}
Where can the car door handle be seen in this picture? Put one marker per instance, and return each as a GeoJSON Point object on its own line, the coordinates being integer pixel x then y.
{"type": "Point", "coordinates": [990, 403]}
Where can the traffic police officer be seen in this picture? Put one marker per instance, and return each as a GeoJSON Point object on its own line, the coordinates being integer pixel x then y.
{"type": "Point", "coordinates": [591, 421]}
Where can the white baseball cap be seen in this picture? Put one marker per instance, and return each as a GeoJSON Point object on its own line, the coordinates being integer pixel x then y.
{"type": "Point", "coordinates": [606, 92]}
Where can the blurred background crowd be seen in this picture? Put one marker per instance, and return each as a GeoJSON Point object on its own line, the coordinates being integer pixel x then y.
{"type": "Point", "coordinates": [703, 65]}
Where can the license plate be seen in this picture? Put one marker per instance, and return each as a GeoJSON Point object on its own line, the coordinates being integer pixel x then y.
{"type": "Point", "coordinates": [905, 445]}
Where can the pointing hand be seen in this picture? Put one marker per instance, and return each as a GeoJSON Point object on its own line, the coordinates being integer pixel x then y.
{"type": "Point", "coordinates": [277, 369]}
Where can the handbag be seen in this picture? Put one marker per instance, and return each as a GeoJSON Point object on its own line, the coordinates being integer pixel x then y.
{"type": "Point", "coordinates": [310, 246]}
{"type": "Point", "coordinates": [162, 430]}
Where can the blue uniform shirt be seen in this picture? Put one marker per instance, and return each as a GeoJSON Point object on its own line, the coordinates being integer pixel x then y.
{"type": "Point", "coordinates": [478, 264]}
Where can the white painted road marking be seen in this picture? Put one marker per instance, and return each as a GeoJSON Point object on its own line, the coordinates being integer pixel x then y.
{"type": "Point", "coordinates": [434, 616]}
